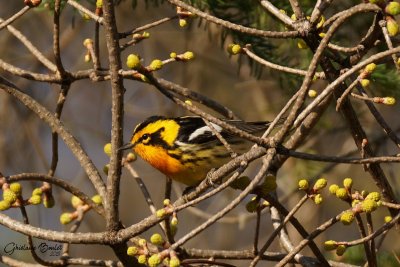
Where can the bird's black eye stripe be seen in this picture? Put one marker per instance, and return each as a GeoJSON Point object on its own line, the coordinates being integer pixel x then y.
{"type": "Point", "coordinates": [145, 137]}
{"type": "Point", "coordinates": [155, 137]}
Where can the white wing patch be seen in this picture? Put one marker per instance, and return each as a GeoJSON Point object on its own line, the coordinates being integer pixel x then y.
{"type": "Point", "coordinates": [203, 130]}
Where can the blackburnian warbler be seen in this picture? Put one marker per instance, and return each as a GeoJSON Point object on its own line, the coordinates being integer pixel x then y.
{"type": "Point", "coordinates": [185, 148]}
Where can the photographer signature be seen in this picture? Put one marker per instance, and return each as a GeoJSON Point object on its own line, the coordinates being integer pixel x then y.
{"type": "Point", "coordinates": [53, 249]}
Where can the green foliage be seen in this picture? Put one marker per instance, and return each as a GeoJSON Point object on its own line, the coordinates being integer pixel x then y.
{"type": "Point", "coordinates": [386, 80]}
{"type": "Point", "coordinates": [356, 255]}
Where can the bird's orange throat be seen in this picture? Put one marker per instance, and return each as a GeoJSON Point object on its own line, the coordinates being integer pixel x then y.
{"type": "Point", "coordinates": [159, 159]}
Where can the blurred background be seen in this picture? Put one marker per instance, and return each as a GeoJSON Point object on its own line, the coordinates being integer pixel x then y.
{"type": "Point", "coordinates": [252, 92]}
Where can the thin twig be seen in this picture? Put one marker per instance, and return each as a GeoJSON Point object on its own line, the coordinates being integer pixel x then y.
{"type": "Point", "coordinates": [230, 206]}
{"type": "Point", "coordinates": [86, 11]}
{"type": "Point", "coordinates": [346, 93]}
{"type": "Point", "coordinates": [277, 230]}
{"type": "Point", "coordinates": [59, 182]}
{"type": "Point", "coordinates": [233, 26]}
{"type": "Point", "coordinates": [56, 37]}
{"type": "Point", "coordinates": [319, 8]}
{"type": "Point", "coordinates": [331, 87]}
{"type": "Point", "coordinates": [34, 51]}
{"type": "Point", "coordinates": [5, 23]}
{"type": "Point", "coordinates": [320, 229]}
{"type": "Point", "coordinates": [296, 9]}
{"type": "Point", "coordinates": [148, 26]}
{"type": "Point", "coordinates": [277, 67]}
{"type": "Point", "coordinates": [389, 43]}
{"type": "Point", "coordinates": [275, 11]}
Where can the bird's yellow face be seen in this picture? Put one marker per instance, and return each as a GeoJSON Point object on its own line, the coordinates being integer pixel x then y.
{"type": "Point", "coordinates": [153, 140]}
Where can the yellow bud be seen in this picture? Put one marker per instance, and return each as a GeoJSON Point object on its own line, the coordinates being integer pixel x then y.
{"type": "Point", "coordinates": [320, 184]}
{"type": "Point", "coordinates": [107, 149]}
{"type": "Point", "coordinates": [182, 23]}
{"type": "Point", "coordinates": [154, 260]}
{"type": "Point", "coordinates": [293, 17]}
{"type": "Point", "coordinates": [389, 101]}
{"type": "Point", "coordinates": [131, 157]}
{"type": "Point", "coordinates": [388, 219]}
{"type": "Point", "coordinates": [393, 8]}
{"type": "Point", "coordinates": [142, 259]}
{"type": "Point", "coordinates": [188, 102]}
{"type": "Point", "coordinates": [321, 22]}
{"type": "Point", "coordinates": [37, 191]}
{"type": "Point", "coordinates": [133, 61]}
{"type": "Point", "coordinates": [392, 27]}
{"type": "Point", "coordinates": [188, 55]}
{"type": "Point", "coordinates": [376, 196]}
{"type": "Point", "coordinates": [333, 188]}
{"type": "Point", "coordinates": [312, 93]}
{"type": "Point", "coordinates": [282, 11]}
{"type": "Point", "coordinates": [172, 55]}
{"type": "Point", "coordinates": [322, 34]}
{"type": "Point", "coordinates": [16, 188]}
{"type": "Point", "coordinates": [303, 184]}
{"type": "Point", "coordinates": [347, 217]}
{"type": "Point", "coordinates": [87, 58]}
{"type": "Point", "coordinates": [342, 193]}
{"type": "Point", "coordinates": [369, 205]}
{"type": "Point", "coordinates": [166, 202]}
{"type": "Point", "coordinates": [132, 251]}
{"type": "Point", "coordinates": [318, 199]}
{"type": "Point", "coordinates": [302, 44]}
{"type": "Point", "coordinates": [330, 245]}
{"type": "Point", "coordinates": [156, 65]}
{"type": "Point", "coordinates": [265, 203]}
{"type": "Point", "coordinates": [97, 199]}
{"type": "Point", "coordinates": [144, 78]}
{"type": "Point", "coordinates": [4, 205]}
{"type": "Point", "coordinates": [174, 221]}
{"type": "Point", "coordinates": [370, 67]}
{"type": "Point", "coordinates": [365, 83]}
{"type": "Point", "coordinates": [35, 199]}
{"type": "Point", "coordinates": [160, 213]}
{"type": "Point", "coordinates": [99, 3]}
{"type": "Point", "coordinates": [174, 262]}
{"type": "Point", "coordinates": [157, 239]}
{"type": "Point", "coordinates": [340, 250]}
{"type": "Point", "coordinates": [76, 202]}
{"type": "Point", "coordinates": [65, 218]}
{"type": "Point", "coordinates": [145, 34]}
{"type": "Point", "coordinates": [348, 183]}
{"type": "Point", "coordinates": [235, 49]}
{"type": "Point", "coordinates": [87, 42]}
{"type": "Point", "coordinates": [9, 196]}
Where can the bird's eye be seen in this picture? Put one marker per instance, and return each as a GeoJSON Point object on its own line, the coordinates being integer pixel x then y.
{"type": "Point", "coordinates": [145, 137]}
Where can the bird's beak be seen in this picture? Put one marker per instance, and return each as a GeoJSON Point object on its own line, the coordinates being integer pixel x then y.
{"type": "Point", "coordinates": [126, 146]}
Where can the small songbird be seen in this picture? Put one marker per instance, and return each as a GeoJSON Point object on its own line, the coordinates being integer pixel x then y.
{"type": "Point", "coordinates": [185, 148]}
